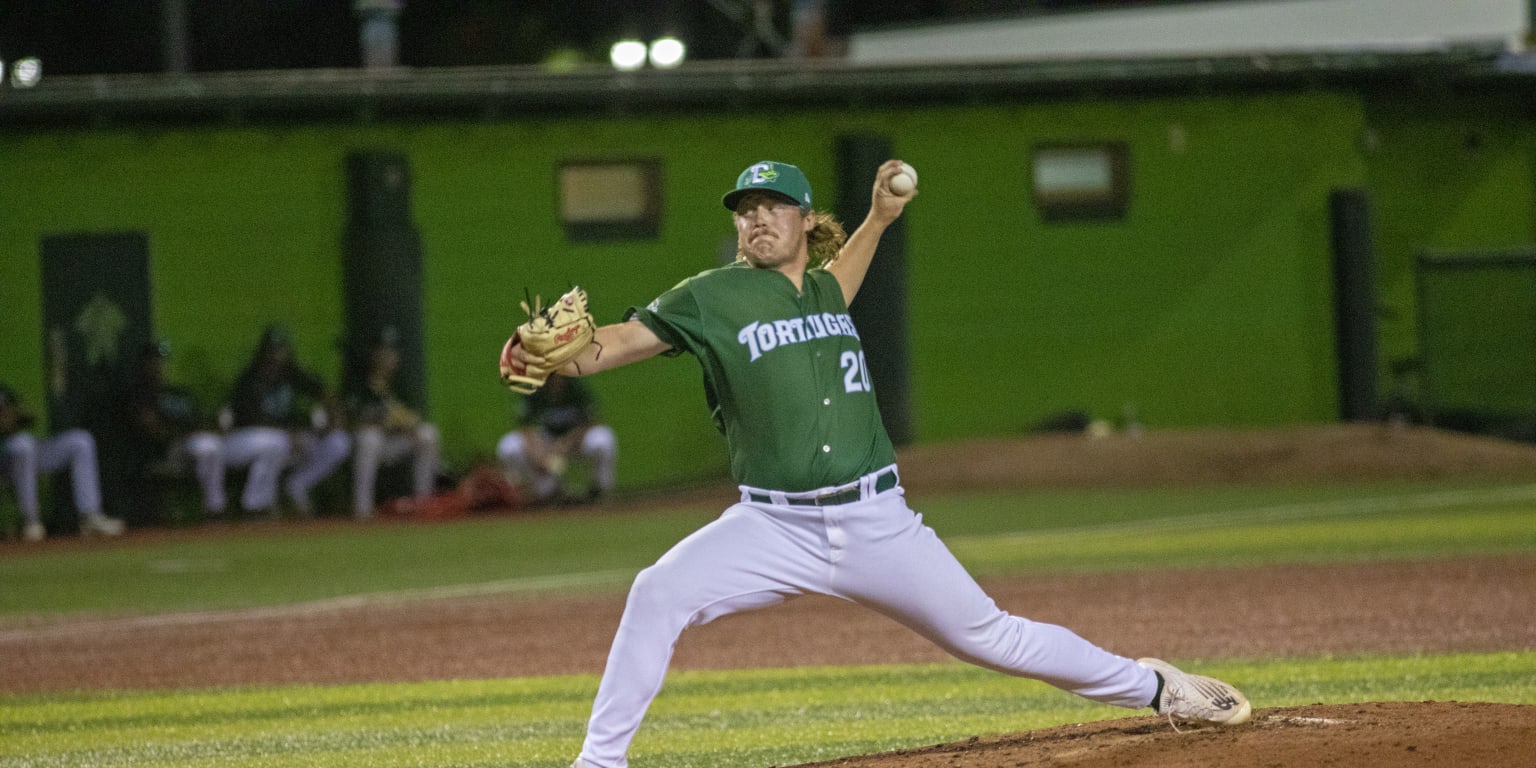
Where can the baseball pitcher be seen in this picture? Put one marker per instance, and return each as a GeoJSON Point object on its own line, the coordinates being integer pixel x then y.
{"type": "Point", "coordinates": [822, 509]}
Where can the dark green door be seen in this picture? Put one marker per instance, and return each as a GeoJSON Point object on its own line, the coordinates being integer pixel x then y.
{"type": "Point", "coordinates": [96, 317]}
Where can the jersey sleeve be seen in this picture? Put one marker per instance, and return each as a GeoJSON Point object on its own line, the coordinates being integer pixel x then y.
{"type": "Point", "coordinates": [673, 317]}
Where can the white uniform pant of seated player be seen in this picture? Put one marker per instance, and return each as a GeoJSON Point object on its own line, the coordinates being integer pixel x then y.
{"type": "Point", "coordinates": [372, 448]}
{"type": "Point", "coordinates": [314, 458]}
{"type": "Point", "coordinates": [264, 450]}
{"type": "Point", "coordinates": [875, 552]}
{"type": "Point", "coordinates": [205, 452]}
{"type": "Point", "coordinates": [599, 446]}
{"type": "Point", "coordinates": [25, 457]}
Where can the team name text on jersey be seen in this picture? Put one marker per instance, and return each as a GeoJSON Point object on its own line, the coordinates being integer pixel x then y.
{"type": "Point", "coordinates": [759, 337]}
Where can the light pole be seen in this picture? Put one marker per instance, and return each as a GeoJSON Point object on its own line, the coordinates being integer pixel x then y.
{"type": "Point", "coordinates": [378, 33]}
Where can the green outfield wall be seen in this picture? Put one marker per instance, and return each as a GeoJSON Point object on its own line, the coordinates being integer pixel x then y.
{"type": "Point", "coordinates": [1447, 174]}
{"type": "Point", "coordinates": [1208, 304]}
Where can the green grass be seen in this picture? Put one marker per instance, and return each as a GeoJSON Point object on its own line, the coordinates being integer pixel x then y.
{"type": "Point", "coordinates": [991, 533]}
{"type": "Point", "coordinates": [268, 565]}
{"type": "Point", "coordinates": [1375, 529]}
{"type": "Point", "coordinates": [757, 717]}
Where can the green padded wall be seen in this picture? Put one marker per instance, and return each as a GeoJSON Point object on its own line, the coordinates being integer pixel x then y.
{"type": "Point", "coordinates": [1208, 304]}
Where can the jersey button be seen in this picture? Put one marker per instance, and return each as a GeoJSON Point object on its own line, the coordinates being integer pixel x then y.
{"type": "Point", "coordinates": [826, 401]}
{"type": "Point", "coordinates": [826, 449]}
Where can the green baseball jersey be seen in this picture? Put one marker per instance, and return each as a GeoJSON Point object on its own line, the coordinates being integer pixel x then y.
{"type": "Point", "coordinates": [784, 374]}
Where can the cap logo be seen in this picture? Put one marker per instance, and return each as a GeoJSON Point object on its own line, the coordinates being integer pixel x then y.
{"type": "Point", "coordinates": [764, 173]}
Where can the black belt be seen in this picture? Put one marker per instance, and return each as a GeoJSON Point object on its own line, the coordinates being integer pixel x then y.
{"type": "Point", "coordinates": [885, 482]}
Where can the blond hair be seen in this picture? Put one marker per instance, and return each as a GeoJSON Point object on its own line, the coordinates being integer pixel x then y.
{"type": "Point", "coordinates": [825, 239]}
{"type": "Point", "coordinates": [824, 242]}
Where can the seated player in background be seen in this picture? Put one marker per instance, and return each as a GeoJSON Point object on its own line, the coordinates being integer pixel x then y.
{"type": "Point", "coordinates": [24, 456]}
{"type": "Point", "coordinates": [559, 424]}
{"type": "Point", "coordinates": [385, 430]}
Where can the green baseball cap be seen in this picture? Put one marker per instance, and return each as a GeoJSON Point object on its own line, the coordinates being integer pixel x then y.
{"type": "Point", "coordinates": [768, 176]}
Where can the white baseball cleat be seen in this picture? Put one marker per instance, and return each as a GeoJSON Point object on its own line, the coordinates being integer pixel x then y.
{"type": "Point", "coordinates": [33, 532]}
{"type": "Point", "coordinates": [1197, 697]}
{"type": "Point", "coordinates": [97, 524]}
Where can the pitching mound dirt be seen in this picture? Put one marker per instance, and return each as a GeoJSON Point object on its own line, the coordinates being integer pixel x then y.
{"type": "Point", "coordinates": [1383, 735]}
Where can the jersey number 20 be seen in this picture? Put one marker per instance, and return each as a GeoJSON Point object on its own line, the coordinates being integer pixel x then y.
{"type": "Point", "coordinates": [856, 373]}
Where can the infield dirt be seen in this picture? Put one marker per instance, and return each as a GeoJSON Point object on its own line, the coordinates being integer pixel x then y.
{"type": "Point", "coordinates": [1469, 604]}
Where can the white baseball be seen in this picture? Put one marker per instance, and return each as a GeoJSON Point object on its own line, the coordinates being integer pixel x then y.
{"type": "Point", "coordinates": [904, 182]}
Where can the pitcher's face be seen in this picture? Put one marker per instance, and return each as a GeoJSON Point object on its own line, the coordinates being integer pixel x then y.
{"type": "Point", "coordinates": [770, 230]}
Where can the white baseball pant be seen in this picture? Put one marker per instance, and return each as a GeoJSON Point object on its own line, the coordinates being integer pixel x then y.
{"type": "Point", "coordinates": [875, 552]}
{"type": "Point", "coordinates": [205, 452]}
{"type": "Point", "coordinates": [373, 447]}
{"type": "Point", "coordinates": [316, 456]}
{"type": "Point", "coordinates": [26, 457]}
{"type": "Point", "coordinates": [265, 450]}
{"type": "Point", "coordinates": [599, 446]}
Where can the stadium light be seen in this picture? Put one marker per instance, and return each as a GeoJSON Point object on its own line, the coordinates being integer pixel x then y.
{"type": "Point", "coordinates": [26, 72]}
{"type": "Point", "coordinates": [627, 55]}
{"type": "Point", "coordinates": [667, 52]}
